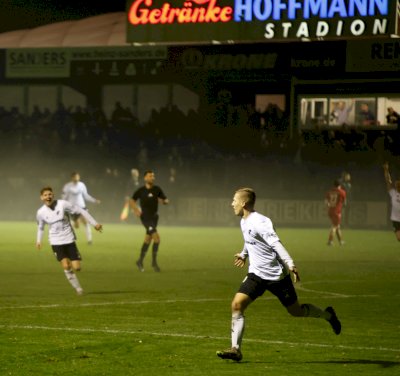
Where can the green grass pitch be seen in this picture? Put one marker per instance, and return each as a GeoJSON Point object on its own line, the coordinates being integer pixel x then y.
{"type": "Point", "coordinates": [172, 323]}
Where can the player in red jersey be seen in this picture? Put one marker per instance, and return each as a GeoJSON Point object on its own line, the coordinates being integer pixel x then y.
{"type": "Point", "coordinates": [334, 200]}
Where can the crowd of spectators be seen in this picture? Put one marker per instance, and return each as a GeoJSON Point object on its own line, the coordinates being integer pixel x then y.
{"type": "Point", "coordinates": [207, 151]}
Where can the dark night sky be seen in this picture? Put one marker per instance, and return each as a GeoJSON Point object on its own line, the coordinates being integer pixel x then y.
{"type": "Point", "coordinates": [24, 14]}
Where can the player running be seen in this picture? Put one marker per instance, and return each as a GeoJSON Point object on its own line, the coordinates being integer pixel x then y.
{"type": "Point", "coordinates": [394, 193]}
{"type": "Point", "coordinates": [62, 238]}
{"type": "Point", "coordinates": [334, 200]}
{"type": "Point", "coordinates": [76, 193]}
{"type": "Point", "coordinates": [270, 266]}
{"type": "Point", "coordinates": [149, 195]}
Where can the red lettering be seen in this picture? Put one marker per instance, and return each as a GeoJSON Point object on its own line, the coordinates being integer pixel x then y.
{"type": "Point", "coordinates": [140, 12]}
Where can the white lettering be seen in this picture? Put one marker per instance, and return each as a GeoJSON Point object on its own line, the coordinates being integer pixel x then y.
{"type": "Point", "coordinates": [339, 28]}
{"type": "Point", "coordinates": [322, 29]}
{"type": "Point", "coordinates": [379, 27]}
{"type": "Point", "coordinates": [286, 26]}
{"type": "Point", "coordinates": [302, 31]}
{"type": "Point", "coordinates": [357, 27]}
{"type": "Point", "coordinates": [269, 31]}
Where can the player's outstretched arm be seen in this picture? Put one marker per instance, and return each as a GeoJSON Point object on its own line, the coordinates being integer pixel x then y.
{"type": "Point", "coordinates": [98, 227]}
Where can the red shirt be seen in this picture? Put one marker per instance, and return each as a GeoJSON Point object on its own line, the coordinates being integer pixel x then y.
{"type": "Point", "coordinates": [336, 198]}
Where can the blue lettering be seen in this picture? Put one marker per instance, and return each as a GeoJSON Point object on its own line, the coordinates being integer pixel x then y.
{"type": "Point", "coordinates": [247, 10]}
{"type": "Point", "coordinates": [314, 8]}
{"type": "Point", "coordinates": [360, 5]}
{"type": "Point", "coordinates": [243, 9]}
{"type": "Point", "coordinates": [261, 12]}
{"type": "Point", "coordinates": [293, 5]}
{"type": "Point", "coordinates": [337, 6]}
{"type": "Point", "coordinates": [278, 6]}
{"type": "Point", "coordinates": [382, 6]}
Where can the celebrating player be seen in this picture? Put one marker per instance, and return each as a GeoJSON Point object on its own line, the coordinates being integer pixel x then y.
{"type": "Point", "coordinates": [76, 193]}
{"type": "Point", "coordinates": [270, 266]}
{"type": "Point", "coordinates": [394, 193]}
{"type": "Point", "coordinates": [149, 195]}
{"type": "Point", "coordinates": [334, 200]}
{"type": "Point", "coordinates": [55, 213]}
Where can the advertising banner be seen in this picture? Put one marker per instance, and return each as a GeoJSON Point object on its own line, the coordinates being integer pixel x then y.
{"type": "Point", "coordinates": [379, 55]}
{"type": "Point", "coordinates": [206, 21]}
{"type": "Point", "coordinates": [296, 213]}
{"type": "Point", "coordinates": [56, 62]}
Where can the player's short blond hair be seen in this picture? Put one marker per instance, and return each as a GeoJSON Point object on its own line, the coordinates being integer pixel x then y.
{"type": "Point", "coordinates": [248, 194]}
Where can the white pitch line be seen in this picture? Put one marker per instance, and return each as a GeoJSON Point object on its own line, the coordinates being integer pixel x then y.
{"type": "Point", "coordinates": [332, 294]}
{"type": "Point", "coordinates": [335, 294]}
{"type": "Point", "coordinates": [328, 295]}
{"type": "Point", "coordinates": [133, 302]}
{"type": "Point", "coordinates": [181, 335]}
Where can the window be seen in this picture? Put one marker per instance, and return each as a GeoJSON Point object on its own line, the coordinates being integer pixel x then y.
{"type": "Point", "coordinates": [335, 111]}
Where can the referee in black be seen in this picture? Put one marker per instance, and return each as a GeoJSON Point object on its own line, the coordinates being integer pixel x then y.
{"type": "Point", "coordinates": [149, 195]}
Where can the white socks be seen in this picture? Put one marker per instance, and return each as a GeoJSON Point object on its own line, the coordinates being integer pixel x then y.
{"type": "Point", "coordinates": [73, 279]}
{"type": "Point", "coordinates": [88, 232]}
{"type": "Point", "coordinates": [237, 329]}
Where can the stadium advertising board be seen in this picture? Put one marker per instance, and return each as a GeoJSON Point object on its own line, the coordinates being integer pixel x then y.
{"type": "Point", "coordinates": [381, 55]}
{"type": "Point", "coordinates": [203, 21]}
{"type": "Point", "coordinates": [56, 62]}
{"type": "Point", "coordinates": [304, 213]}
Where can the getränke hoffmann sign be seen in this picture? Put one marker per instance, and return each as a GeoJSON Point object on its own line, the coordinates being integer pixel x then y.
{"type": "Point", "coordinates": [181, 21]}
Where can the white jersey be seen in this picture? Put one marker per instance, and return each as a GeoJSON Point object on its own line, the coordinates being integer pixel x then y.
{"type": "Point", "coordinates": [76, 194]}
{"type": "Point", "coordinates": [268, 258]}
{"type": "Point", "coordinates": [395, 198]}
{"type": "Point", "coordinates": [60, 230]}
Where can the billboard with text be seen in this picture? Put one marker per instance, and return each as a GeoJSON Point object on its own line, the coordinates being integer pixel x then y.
{"type": "Point", "coordinates": [205, 21]}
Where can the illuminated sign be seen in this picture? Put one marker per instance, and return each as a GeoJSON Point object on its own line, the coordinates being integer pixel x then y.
{"type": "Point", "coordinates": [197, 21]}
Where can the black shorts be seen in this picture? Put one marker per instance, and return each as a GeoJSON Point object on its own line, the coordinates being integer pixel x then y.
{"type": "Point", "coordinates": [254, 286]}
{"type": "Point", "coordinates": [150, 223]}
{"type": "Point", "coordinates": [69, 251]}
{"type": "Point", "coordinates": [396, 226]}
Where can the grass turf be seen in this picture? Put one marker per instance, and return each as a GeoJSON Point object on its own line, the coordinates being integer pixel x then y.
{"type": "Point", "coordinates": [171, 323]}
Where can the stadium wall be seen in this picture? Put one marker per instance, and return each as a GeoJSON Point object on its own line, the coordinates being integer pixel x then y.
{"type": "Point", "coordinates": [296, 213]}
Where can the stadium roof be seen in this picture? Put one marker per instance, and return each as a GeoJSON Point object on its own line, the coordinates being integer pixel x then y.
{"type": "Point", "coordinates": [102, 30]}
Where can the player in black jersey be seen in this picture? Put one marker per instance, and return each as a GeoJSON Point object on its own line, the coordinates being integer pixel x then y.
{"type": "Point", "coordinates": [149, 196]}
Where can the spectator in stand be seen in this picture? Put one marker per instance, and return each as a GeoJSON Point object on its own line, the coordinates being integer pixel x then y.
{"type": "Point", "coordinates": [392, 116]}
{"type": "Point", "coordinates": [341, 112]}
{"type": "Point", "coordinates": [366, 116]}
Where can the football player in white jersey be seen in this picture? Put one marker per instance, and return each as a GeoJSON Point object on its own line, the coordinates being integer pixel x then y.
{"type": "Point", "coordinates": [270, 266]}
{"type": "Point", "coordinates": [76, 193]}
{"type": "Point", "coordinates": [394, 193]}
{"type": "Point", "coordinates": [55, 213]}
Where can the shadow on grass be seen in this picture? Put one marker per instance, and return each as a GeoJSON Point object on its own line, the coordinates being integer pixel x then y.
{"type": "Point", "coordinates": [382, 363]}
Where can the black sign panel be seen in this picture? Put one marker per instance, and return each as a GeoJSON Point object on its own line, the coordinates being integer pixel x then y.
{"type": "Point", "coordinates": [231, 21]}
